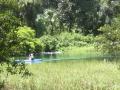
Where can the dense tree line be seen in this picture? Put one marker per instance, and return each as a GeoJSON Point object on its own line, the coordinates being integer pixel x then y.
{"type": "Point", "coordinates": [25, 22]}
{"type": "Point", "coordinates": [85, 16]}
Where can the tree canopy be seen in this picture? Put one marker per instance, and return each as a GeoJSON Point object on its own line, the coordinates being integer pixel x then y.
{"type": "Point", "coordinates": [23, 22]}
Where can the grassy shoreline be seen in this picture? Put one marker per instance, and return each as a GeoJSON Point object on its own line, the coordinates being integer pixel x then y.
{"type": "Point", "coordinates": [68, 75]}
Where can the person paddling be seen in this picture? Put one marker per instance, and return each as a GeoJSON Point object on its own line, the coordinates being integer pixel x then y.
{"type": "Point", "coordinates": [31, 56]}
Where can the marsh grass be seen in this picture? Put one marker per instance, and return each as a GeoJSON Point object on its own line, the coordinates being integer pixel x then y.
{"type": "Point", "coordinates": [68, 75]}
{"type": "Point", "coordinates": [82, 52]}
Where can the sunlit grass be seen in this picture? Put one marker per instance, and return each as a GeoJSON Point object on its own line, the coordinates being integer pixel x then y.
{"type": "Point", "coordinates": [86, 51]}
{"type": "Point", "coordinates": [68, 75]}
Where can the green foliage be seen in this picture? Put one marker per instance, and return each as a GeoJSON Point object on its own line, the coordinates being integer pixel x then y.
{"type": "Point", "coordinates": [65, 39]}
{"type": "Point", "coordinates": [9, 5]}
{"type": "Point", "coordinates": [8, 44]}
{"type": "Point", "coordinates": [73, 39]}
{"type": "Point", "coordinates": [57, 16]}
{"type": "Point", "coordinates": [50, 19]}
{"type": "Point", "coordinates": [26, 38]}
{"type": "Point", "coordinates": [8, 38]}
{"type": "Point", "coordinates": [49, 42]}
{"type": "Point", "coordinates": [109, 41]}
{"type": "Point", "coordinates": [28, 42]}
{"type": "Point", "coordinates": [80, 12]}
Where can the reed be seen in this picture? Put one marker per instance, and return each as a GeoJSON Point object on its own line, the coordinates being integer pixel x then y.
{"type": "Point", "coordinates": [68, 75]}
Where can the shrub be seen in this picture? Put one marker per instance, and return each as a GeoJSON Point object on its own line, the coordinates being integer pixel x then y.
{"type": "Point", "coordinates": [27, 41]}
{"type": "Point", "coordinates": [49, 42]}
{"type": "Point", "coordinates": [8, 37]}
{"type": "Point", "coordinates": [108, 42]}
{"type": "Point", "coordinates": [65, 39]}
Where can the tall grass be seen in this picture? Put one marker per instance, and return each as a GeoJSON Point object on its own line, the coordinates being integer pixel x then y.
{"type": "Point", "coordinates": [68, 75]}
{"type": "Point", "coordinates": [85, 51]}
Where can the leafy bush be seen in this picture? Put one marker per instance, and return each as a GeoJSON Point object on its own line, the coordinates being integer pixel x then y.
{"type": "Point", "coordinates": [109, 41]}
{"type": "Point", "coordinates": [65, 39]}
{"type": "Point", "coordinates": [49, 42]}
{"type": "Point", "coordinates": [27, 41]}
{"type": "Point", "coordinates": [8, 37]}
{"type": "Point", "coordinates": [82, 40]}
{"type": "Point", "coordinates": [8, 44]}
